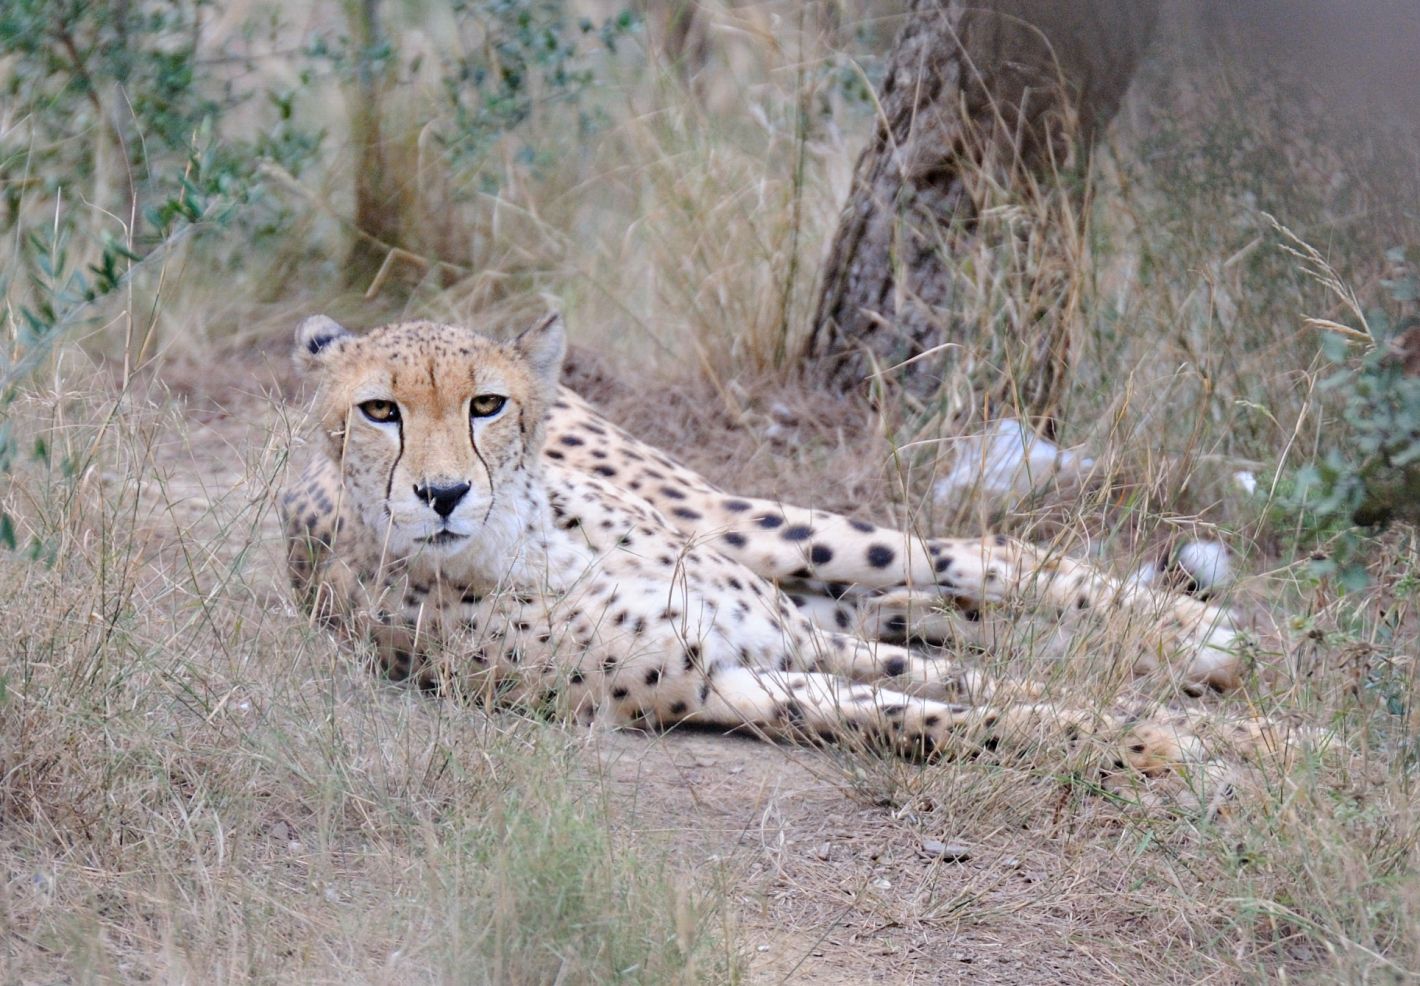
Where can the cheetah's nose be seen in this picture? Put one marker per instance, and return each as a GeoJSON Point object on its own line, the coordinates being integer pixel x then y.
{"type": "Point", "coordinates": [443, 498]}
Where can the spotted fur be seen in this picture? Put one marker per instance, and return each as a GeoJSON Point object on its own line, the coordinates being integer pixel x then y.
{"type": "Point", "coordinates": [540, 556]}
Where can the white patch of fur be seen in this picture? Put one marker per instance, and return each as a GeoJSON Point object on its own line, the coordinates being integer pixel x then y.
{"type": "Point", "coordinates": [1207, 563]}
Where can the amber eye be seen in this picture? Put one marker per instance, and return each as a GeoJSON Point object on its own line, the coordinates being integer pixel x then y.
{"type": "Point", "coordinates": [382, 412]}
{"type": "Point", "coordinates": [486, 405]}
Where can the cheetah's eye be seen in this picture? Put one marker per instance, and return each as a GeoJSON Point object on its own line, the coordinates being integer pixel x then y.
{"type": "Point", "coordinates": [381, 412]}
{"type": "Point", "coordinates": [486, 405]}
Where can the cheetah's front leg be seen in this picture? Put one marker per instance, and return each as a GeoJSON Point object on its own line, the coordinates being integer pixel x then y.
{"type": "Point", "coordinates": [907, 671]}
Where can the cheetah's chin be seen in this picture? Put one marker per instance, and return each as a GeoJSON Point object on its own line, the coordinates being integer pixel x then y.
{"type": "Point", "coordinates": [444, 539]}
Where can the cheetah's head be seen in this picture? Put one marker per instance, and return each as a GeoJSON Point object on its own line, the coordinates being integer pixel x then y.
{"type": "Point", "coordinates": [436, 429]}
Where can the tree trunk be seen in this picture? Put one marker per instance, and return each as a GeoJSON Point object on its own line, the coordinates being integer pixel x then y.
{"type": "Point", "coordinates": [983, 106]}
{"type": "Point", "coordinates": [379, 208]}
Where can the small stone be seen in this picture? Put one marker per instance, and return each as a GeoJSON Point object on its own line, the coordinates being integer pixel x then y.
{"type": "Point", "coordinates": [823, 851]}
{"type": "Point", "coordinates": [761, 948]}
{"type": "Point", "coordinates": [882, 883]}
{"type": "Point", "coordinates": [951, 852]}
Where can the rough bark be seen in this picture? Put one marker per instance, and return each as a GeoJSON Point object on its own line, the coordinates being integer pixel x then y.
{"type": "Point", "coordinates": [977, 102]}
{"type": "Point", "coordinates": [378, 207]}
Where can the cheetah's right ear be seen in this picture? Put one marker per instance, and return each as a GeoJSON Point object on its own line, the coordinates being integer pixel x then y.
{"type": "Point", "coordinates": [314, 337]}
{"type": "Point", "coordinates": [543, 346]}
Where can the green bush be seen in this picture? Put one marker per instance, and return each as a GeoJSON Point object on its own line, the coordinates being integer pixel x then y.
{"type": "Point", "coordinates": [1368, 473]}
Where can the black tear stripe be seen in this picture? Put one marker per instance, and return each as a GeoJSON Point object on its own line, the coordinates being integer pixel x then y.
{"type": "Point", "coordinates": [389, 483]}
{"type": "Point", "coordinates": [486, 470]}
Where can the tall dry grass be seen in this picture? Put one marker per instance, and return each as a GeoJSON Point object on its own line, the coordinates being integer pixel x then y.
{"type": "Point", "coordinates": [196, 786]}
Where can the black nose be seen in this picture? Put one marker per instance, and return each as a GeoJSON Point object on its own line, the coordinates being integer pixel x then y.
{"type": "Point", "coordinates": [443, 498]}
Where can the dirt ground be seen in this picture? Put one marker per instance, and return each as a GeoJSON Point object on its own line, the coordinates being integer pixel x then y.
{"type": "Point", "coordinates": [829, 886]}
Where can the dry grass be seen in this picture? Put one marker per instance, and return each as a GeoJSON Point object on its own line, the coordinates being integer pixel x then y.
{"type": "Point", "coordinates": [196, 786]}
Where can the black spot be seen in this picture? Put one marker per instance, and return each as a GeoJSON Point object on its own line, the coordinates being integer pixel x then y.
{"type": "Point", "coordinates": [737, 506]}
{"type": "Point", "coordinates": [735, 584]}
{"type": "Point", "coordinates": [734, 539]}
{"type": "Point", "coordinates": [704, 691]}
{"type": "Point", "coordinates": [670, 491]}
{"type": "Point", "coordinates": [894, 667]}
{"type": "Point", "coordinates": [972, 615]}
{"type": "Point", "coordinates": [841, 617]}
{"type": "Point", "coordinates": [619, 693]}
{"type": "Point", "coordinates": [769, 521]}
{"type": "Point", "coordinates": [686, 513]}
{"type": "Point", "coordinates": [896, 625]}
{"type": "Point", "coordinates": [931, 721]}
{"type": "Point", "coordinates": [797, 532]}
{"type": "Point", "coordinates": [677, 708]}
{"type": "Point", "coordinates": [1083, 602]}
{"type": "Point", "coordinates": [796, 600]}
{"type": "Point", "coordinates": [942, 564]}
{"type": "Point", "coordinates": [1001, 540]}
{"type": "Point", "coordinates": [800, 573]}
{"type": "Point", "coordinates": [820, 554]}
{"type": "Point", "coordinates": [571, 441]}
{"type": "Point", "coordinates": [576, 677]}
{"type": "Point", "coordinates": [399, 664]}
{"type": "Point", "coordinates": [604, 470]}
{"type": "Point", "coordinates": [552, 453]}
{"type": "Point", "coordinates": [880, 555]}
{"type": "Point", "coordinates": [862, 525]}
{"type": "Point", "coordinates": [653, 676]}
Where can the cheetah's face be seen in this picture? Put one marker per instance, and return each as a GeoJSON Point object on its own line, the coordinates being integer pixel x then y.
{"type": "Point", "coordinates": [435, 428]}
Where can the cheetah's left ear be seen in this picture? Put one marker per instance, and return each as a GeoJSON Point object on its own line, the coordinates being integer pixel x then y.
{"type": "Point", "coordinates": [314, 336]}
{"type": "Point", "coordinates": [543, 346]}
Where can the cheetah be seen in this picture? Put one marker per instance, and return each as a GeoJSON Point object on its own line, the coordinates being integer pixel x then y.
{"type": "Point", "coordinates": [489, 532]}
